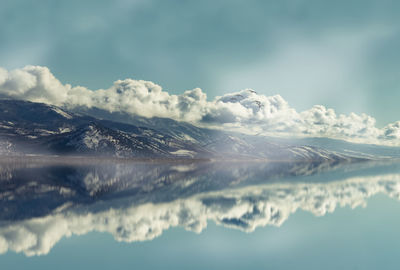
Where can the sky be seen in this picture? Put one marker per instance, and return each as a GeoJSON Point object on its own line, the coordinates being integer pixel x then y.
{"type": "Point", "coordinates": [339, 54]}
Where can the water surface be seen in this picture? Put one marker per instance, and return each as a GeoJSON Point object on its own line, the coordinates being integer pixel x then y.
{"type": "Point", "coordinates": [199, 215]}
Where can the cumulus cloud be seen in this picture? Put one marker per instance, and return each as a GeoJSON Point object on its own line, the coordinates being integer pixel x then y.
{"type": "Point", "coordinates": [244, 111]}
{"type": "Point", "coordinates": [245, 208]}
{"type": "Point", "coordinates": [392, 131]}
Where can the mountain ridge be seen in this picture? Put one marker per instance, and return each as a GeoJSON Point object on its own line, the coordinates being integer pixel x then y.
{"type": "Point", "coordinates": [29, 128]}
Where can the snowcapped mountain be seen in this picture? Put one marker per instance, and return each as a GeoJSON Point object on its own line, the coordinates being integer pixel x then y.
{"type": "Point", "coordinates": [36, 128]}
{"type": "Point", "coordinates": [230, 144]}
{"type": "Point", "coordinates": [248, 98]}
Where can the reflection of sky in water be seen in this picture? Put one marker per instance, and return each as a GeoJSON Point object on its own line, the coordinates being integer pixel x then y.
{"type": "Point", "coordinates": [344, 238]}
{"type": "Point", "coordinates": [364, 238]}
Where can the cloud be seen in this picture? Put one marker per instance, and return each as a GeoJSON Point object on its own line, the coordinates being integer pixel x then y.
{"type": "Point", "coordinates": [392, 131]}
{"type": "Point", "coordinates": [244, 111]}
{"type": "Point", "coordinates": [245, 208]}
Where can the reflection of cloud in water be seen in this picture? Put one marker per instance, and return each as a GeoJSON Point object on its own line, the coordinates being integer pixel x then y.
{"type": "Point", "coordinates": [36, 189]}
{"type": "Point", "coordinates": [244, 208]}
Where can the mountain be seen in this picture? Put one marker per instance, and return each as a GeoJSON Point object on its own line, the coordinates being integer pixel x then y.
{"type": "Point", "coordinates": [29, 128]}
{"type": "Point", "coordinates": [36, 128]}
{"type": "Point", "coordinates": [370, 151]}
{"type": "Point", "coordinates": [215, 139]}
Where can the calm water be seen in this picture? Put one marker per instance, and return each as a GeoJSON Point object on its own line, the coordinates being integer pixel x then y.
{"type": "Point", "coordinates": [74, 215]}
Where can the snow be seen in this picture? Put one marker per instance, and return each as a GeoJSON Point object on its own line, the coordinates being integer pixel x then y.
{"type": "Point", "coordinates": [61, 112]}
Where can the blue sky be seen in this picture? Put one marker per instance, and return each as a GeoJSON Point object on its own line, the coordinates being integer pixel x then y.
{"type": "Point", "coordinates": [341, 54]}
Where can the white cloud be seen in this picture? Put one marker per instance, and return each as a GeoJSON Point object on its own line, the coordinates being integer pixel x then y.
{"type": "Point", "coordinates": [244, 111]}
{"type": "Point", "coordinates": [248, 208]}
{"type": "Point", "coordinates": [392, 131]}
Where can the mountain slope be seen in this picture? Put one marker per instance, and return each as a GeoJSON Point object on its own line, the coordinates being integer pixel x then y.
{"type": "Point", "coordinates": [35, 128]}
{"type": "Point", "coordinates": [216, 140]}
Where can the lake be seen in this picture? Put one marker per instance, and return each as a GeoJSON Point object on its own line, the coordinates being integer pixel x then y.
{"type": "Point", "coordinates": [102, 214]}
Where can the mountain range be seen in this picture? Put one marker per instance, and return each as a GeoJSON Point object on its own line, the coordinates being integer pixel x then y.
{"type": "Point", "coordinates": [29, 128]}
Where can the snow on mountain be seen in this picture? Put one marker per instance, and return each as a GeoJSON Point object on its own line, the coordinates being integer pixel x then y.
{"type": "Point", "coordinates": [45, 129]}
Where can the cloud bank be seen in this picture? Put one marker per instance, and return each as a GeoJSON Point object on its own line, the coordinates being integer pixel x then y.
{"type": "Point", "coordinates": [244, 111]}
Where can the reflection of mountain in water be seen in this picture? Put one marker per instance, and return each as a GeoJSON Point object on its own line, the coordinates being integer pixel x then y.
{"type": "Point", "coordinates": [136, 202]}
